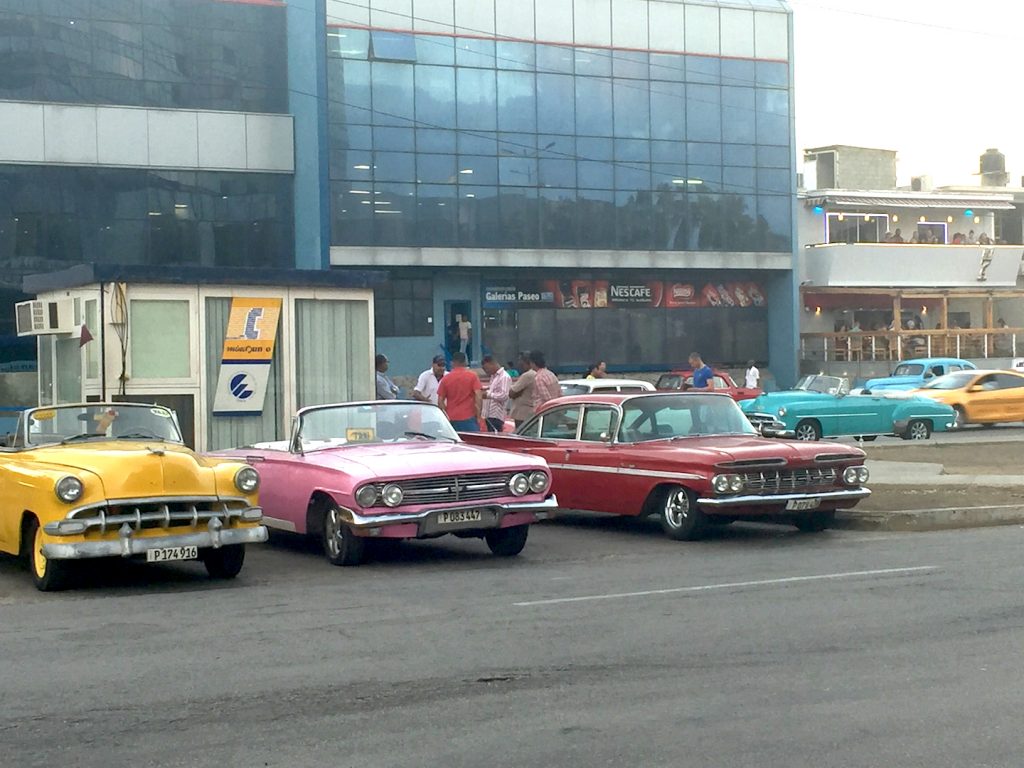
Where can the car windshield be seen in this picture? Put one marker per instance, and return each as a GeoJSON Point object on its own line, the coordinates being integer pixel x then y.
{"type": "Point", "coordinates": [119, 421]}
{"type": "Point", "coordinates": [951, 381]}
{"type": "Point", "coordinates": [661, 417]}
{"type": "Point", "coordinates": [908, 369]}
{"type": "Point", "coordinates": [362, 423]}
{"type": "Point", "coordinates": [829, 385]}
{"type": "Point", "coordinates": [670, 381]}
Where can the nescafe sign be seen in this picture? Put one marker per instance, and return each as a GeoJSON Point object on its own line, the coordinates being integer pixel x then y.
{"type": "Point", "coordinates": [631, 293]}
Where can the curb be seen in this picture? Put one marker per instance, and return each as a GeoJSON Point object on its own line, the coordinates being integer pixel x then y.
{"type": "Point", "coordinates": [930, 519]}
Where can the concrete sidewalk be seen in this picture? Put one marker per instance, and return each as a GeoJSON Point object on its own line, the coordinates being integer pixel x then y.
{"type": "Point", "coordinates": [892, 476]}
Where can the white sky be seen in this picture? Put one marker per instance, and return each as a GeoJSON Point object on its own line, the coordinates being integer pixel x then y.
{"type": "Point", "coordinates": [939, 81]}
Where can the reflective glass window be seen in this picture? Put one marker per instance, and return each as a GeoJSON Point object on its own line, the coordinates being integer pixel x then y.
{"type": "Point", "coordinates": [594, 106]}
{"type": "Point", "coordinates": [517, 105]}
{"type": "Point", "coordinates": [593, 62]}
{"type": "Point", "coordinates": [596, 217]}
{"type": "Point", "coordinates": [435, 169]}
{"type": "Point", "coordinates": [517, 171]}
{"type": "Point", "coordinates": [633, 220]}
{"type": "Point", "coordinates": [668, 176]}
{"type": "Point", "coordinates": [345, 136]}
{"type": "Point", "coordinates": [738, 154]}
{"type": "Point", "coordinates": [555, 58]}
{"type": "Point", "coordinates": [557, 173]}
{"type": "Point", "coordinates": [392, 88]}
{"type": "Point", "coordinates": [774, 180]}
{"type": "Point", "coordinates": [348, 43]}
{"type": "Point", "coordinates": [477, 99]}
{"type": "Point", "coordinates": [349, 96]}
{"type": "Point", "coordinates": [633, 150]}
{"type": "Point", "coordinates": [354, 164]}
{"type": "Point", "coordinates": [515, 55]}
{"type": "Point", "coordinates": [435, 95]}
{"type": "Point", "coordinates": [596, 175]}
{"type": "Point", "coordinates": [394, 213]}
{"type": "Point", "coordinates": [735, 179]}
{"type": "Point", "coordinates": [668, 152]}
{"type": "Point", "coordinates": [774, 210]}
{"type": "Point", "coordinates": [394, 139]}
{"type": "Point", "coordinates": [351, 213]}
{"type": "Point", "coordinates": [703, 69]}
{"type": "Point", "coordinates": [518, 218]}
{"type": "Point", "coordinates": [703, 113]}
{"type": "Point", "coordinates": [434, 140]}
{"type": "Point", "coordinates": [549, 145]}
{"type": "Point", "coordinates": [632, 175]}
{"type": "Point", "coordinates": [668, 67]}
{"type": "Point", "coordinates": [478, 220]}
{"type": "Point", "coordinates": [478, 169]}
{"type": "Point", "coordinates": [394, 166]}
{"type": "Point", "coordinates": [558, 218]}
{"type": "Point", "coordinates": [434, 49]}
{"type": "Point", "coordinates": [632, 109]}
{"type": "Point", "coordinates": [668, 111]}
{"type": "Point", "coordinates": [702, 153]}
{"type": "Point", "coordinates": [392, 46]}
{"type": "Point", "coordinates": [594, 148]}
{"type": "Point", "coordinates": [709, 175]}
{"type": "Point", "coordinates": [437, 215]}
{"type": "Point", "coordinates": [478, 143]}
{"type": "Point", "coordinates": [738, 115]}
{"type": "Point", "coordinates": [470, 52]}
{"type": "Point", "coordinates": [772, 116]}
{"type": "Point", "coordinates": [773, 74]}
{"type": "Point", "coordinates": [556, 97]}
{"type": "Point", "coordinates": [772, 157]}
{"type": "Point", "coordinates": [738, 72]}
{"type": "Point", "coordinates": [630, 64]}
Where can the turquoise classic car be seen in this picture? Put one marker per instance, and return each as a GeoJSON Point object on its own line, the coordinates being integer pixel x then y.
{"type": "Point", "coordinates": [822, 406]}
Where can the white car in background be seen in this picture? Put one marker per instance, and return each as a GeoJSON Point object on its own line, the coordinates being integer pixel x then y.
{"type": "Point", "coordinates": [604, 386]}
{"type": "Point", "coordinates": [1018, 364]}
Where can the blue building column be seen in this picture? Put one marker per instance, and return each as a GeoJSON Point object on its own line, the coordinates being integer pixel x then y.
{"type": "Point", "coordinates": [307, 101]}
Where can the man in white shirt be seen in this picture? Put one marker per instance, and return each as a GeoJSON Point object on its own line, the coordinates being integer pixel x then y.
{"type": "Point", "coordinates": [429, 381]}
{"type": "Point", "coordinates": [752, 376]}
{"type": "Point", "coordinates": [497, 395]}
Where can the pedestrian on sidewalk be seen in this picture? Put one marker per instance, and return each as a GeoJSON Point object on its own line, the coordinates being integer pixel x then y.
{"type": "Point", "coordinates": [386, 388]}
{"type": "Point", "coordinates": [545, 385]}
{"type": "Point", "coordinates": [521, 391]}
{"type": "Point", "coordinates": [497, 395]}
{"type": "Point", "coordinates": [429, 381]}
{"type": "Point", "coordinates": [703, 376]}
{"type": "Point", "coordinates": [460, 396]}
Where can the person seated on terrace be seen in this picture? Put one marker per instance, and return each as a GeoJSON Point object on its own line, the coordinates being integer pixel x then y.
{"type": "Point", "coordinates": [933, 239]}
{"type": "Point", "coordinates": [897, 236]}
{"type": "Point", "coordinates": [984, 239]}
{"type": "Point", "coordinates": [971, 238]}
{"type": "Point", "coordinates": [915, 238]}
{"type": "Point", "coordinates": [958, 239]}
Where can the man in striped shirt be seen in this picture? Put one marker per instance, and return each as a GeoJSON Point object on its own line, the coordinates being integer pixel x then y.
{"type": "Point", "coordinates": [545, 385]}
{"type": "Point", "coordinates": [497, 394]}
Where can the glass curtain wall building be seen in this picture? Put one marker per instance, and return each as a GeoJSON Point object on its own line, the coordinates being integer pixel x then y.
{"type": "Point", "coordinates": [631, 148]}
{"type": "Point", "coordinates": [149, 132]}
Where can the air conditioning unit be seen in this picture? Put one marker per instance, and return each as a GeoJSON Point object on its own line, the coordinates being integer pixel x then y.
{"type": "Point", "coordinates": [37, 317]}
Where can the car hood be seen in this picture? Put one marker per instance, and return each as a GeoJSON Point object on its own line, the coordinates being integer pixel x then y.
{"type": "Point", "coordinates": [419, 459]}
{"type": "Point", "coordinates": [775, 400]}
{"type": "Point", "coordinates": [130, 469]}
{"type": "Point", "coordinates": [893, 382]}
{"type": "Point", "coordinates": [743, 448]}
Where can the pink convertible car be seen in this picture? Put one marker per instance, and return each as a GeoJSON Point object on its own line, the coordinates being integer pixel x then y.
{"type": "Point", "coordinates": [395, 470]}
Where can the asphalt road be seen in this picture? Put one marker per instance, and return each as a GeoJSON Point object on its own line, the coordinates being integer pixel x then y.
{"type": "Point", "coordinates": [603, 645]}
{"type": "Point", "coordinates": [972, 433]}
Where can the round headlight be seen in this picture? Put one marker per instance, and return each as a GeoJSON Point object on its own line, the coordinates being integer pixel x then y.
{"type": "Point", "coordinates": [720, 483]}
{"type": "Point", "coordinates": [519, 485]}
{"type": "Point", "coordinates": [735, 483]}
{"type": "Point", "coordinates": [862, 474]}
{"type": "Point", "coordinates": [850, 475]}
{"type": "Point", "coordinates": [782, 411]}
{"type": "Point", "coordinates": [366, 496]}
{"type": "Point", "coordinates": [247, 480]}
{"type": "Point", "coordinates": [539, 482]}
{"type": "Point", "coordinates": [68, 489]}
{"type": "Point", "coordinates": [392, 495]}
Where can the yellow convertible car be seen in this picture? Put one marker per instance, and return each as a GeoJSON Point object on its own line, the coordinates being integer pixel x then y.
{"type": "Point", "coordinates": [979, 397]}
{"type": "Point", "coordinates": [115, 480]}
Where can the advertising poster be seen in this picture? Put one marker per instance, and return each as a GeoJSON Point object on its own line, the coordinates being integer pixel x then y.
{"type": "Point", "coordinates": [248, 353]}
{"type": "Point", "coordinates": [608, 294]}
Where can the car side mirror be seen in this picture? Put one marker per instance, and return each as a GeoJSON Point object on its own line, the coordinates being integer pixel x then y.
{"type": "Point", "coordinates": [604, 437]}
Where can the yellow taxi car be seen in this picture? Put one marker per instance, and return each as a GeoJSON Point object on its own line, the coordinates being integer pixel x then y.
{"type": "Point", "coordinates": [115, 480]}
{"type": "Point", "coordinates": [979, 397]}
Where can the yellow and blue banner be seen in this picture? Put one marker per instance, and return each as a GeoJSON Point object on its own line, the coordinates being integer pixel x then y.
{"type": "Point", "coordinates": [248, 353]}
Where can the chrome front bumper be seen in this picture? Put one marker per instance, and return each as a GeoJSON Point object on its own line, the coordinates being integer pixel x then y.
{"type": "Point", "coordinates": [725, 502]}
{"type": "Point", "coordinates": [127, 544]}
{"type": "Point", "coordinates": [540, 509]}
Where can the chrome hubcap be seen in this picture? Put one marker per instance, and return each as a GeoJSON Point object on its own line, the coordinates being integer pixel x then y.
{"type": "Point", "coordinates": [805, 433]}
{"type": "Point", "coordinates": [677, 508]}
{"type": "Point", "coordinates": [919, 432]}
{"type": "Point", "coordinates": [332, 532]}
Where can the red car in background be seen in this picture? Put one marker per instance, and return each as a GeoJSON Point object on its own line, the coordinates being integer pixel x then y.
{"type": "Point", "coordinates": [691, 459]}
{"type": "Point", "coordinates": [682, 380]}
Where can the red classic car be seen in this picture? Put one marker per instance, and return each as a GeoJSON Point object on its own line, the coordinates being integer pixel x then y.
{"type": "Point", "coordinates": [394, 470]}
{"type": "Point", "coordinates": [692, 459]}
{"type": "Point", "coordinates": [724, 383]}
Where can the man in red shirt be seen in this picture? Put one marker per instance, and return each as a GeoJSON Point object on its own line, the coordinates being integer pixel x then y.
{"type": "Point", "coordinates": [460, 396]}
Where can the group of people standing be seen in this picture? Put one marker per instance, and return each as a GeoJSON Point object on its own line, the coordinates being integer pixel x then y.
{"type": "Point", "coordinates": [460, 393]}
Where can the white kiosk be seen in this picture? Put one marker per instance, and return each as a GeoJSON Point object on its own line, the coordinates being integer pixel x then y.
{"type": "Point", "coordinates": [233, 352]}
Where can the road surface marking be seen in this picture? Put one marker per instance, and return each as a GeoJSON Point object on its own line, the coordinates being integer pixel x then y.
{"type": "Point", "coordinates": [732, 585]}
{"type": "Point", "coordinates": [951, 509]}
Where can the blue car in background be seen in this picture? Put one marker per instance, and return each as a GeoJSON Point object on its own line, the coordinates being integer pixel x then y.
{"type": "Point", "coordinates": [823, 406]}
{"type": "Point", "coordinates": [913, 374]}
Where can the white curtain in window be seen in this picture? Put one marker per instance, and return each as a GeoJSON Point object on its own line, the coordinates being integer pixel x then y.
{"type": "Point", "coordinates": [233, 431]}
{"type": "Point", "coordinates": [332, 339]}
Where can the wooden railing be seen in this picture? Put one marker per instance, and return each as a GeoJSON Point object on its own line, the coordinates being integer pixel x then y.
{"type": "Point", "coordinates": [973, 344]}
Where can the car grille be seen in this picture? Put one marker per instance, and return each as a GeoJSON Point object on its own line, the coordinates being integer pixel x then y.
{"type": "Point", "coordinates": [448, 489]}
{"type": "Point", "coordinates": [789, 480]}
{"type": "Point", "coordinates": [158, 513]}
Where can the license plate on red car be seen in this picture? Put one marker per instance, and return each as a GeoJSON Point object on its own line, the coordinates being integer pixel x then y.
{"type": "Point", "coordinates": [166, 554]}
{"type": "Point", "coordinates": [802, 505]}
{"type": "Point", "coordinates": [457, 516]}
